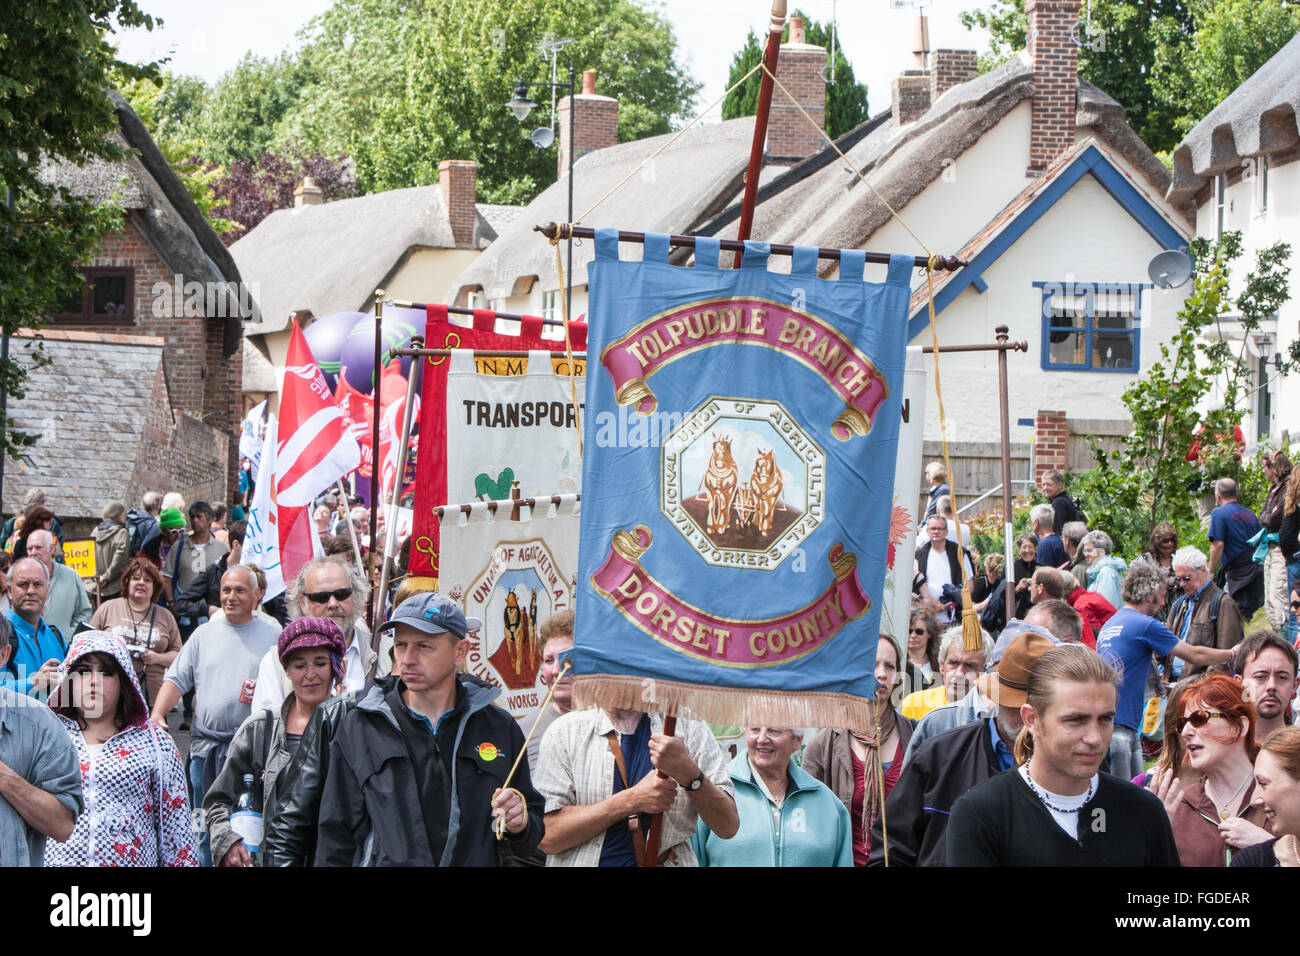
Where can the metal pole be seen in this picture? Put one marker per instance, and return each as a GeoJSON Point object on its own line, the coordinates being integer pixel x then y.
{"type": "Point", "coordinates": [374, 450]}
{"type": "Point", "coordinates": [770, 55]}
{"type": "Point", "coordinates": [1004, 407]}
{"type": "Point", "coordinates": [568, 265]}
{"type": "Point", "coordinates": [390, 532]}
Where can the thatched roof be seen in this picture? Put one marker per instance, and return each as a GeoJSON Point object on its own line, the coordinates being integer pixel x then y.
{"type": "Point", "coordinates": [147, 187]}
{"type": "Point", "coordinates": [832, 207]}
{"type": "Point", "coordinates": [685, 185]}
{"type": "Point", "coordinates": [331, 257]}
{"type": "Point", "coordinates": [1257, 118]}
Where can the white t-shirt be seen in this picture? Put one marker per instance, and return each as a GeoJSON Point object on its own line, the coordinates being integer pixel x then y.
{"type": "Point", "coordinates": [1067, 821]}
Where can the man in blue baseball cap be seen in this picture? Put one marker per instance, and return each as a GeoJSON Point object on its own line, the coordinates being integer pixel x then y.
{"type": "Point", "coordinates": [417, 765]}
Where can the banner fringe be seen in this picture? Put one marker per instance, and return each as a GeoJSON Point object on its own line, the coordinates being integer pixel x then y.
{"type": "Point", "coordinates": [724, 705]}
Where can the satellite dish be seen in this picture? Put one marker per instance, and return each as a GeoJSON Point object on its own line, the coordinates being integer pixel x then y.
{"type": "Point", "coordinates": [543, 137]}
{"type": "Point", "coordinates": [1170, 269]}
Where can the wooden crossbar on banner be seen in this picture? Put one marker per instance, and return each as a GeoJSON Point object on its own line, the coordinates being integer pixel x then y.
{"type": "Point", "coordinates": [495, 505]}
{"type": "Point", "coordinates": [461, 310]}
{"type": "Point", "coordinates": [556, 230]}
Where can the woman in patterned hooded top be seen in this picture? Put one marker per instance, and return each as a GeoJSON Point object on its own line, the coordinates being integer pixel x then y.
{"type": "Point", "coordinates": [137, 812]}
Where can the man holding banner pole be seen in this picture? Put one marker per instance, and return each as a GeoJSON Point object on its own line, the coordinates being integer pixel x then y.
{"type": "Point", "coordinates": [599, 773]}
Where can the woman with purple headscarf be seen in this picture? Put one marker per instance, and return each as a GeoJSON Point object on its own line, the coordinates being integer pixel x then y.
{"type": "Point", "coordinates": [311, 650]}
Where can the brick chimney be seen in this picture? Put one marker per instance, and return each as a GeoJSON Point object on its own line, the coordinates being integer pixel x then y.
{"type": "Point", "coordinates": [308, 194]}
{"type": "Point", "coordinates": [458, 182]}
{"type": "Point", "coordinates": [790, 137]}
{"type": "Point", "coordinates": [950, 68]}
{"type": "Point", "coordinates": [910, 93]}
{"type": "Point", "coordinates": [596, 126]}
{"type": "Point", "coordinates": [1055, 59]}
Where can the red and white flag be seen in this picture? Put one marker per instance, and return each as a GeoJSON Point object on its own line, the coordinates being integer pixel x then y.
{"type": "Point", "coordinates": [357, 411]}
{"type": "Point", "coordinates": [278, 540]}
{"type": "Point", "coordinates": [315, 448]}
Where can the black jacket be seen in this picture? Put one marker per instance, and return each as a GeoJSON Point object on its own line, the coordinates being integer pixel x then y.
{"type": "Point", "coordinates": [205, 592]}
{"type": "Point", "coordinates": [370, 810]}
{"type": "Point", "coordinates": [917, 809]}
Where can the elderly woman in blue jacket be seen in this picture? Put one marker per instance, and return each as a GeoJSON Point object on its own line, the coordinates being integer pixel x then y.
{"type": "Point", "coordinates": [787, 817]}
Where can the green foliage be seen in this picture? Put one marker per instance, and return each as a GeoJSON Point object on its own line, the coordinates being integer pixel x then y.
{"type": "Point", "coordinates": [240, 115]}
{"type": "Point", "coordinates": [399, 86]}
{"type": "Point", "coordinates": [1150, 478]}
{"type": "Point", "coordinates": [846, 99]}
{"type": "Point", "coordinates": [1168, 62]}
{"type": "Point", "coordinates": [55, 63]}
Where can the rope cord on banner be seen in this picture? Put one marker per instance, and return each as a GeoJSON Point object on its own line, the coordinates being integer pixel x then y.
{"type": "Point", "coordinates": [499, 824]}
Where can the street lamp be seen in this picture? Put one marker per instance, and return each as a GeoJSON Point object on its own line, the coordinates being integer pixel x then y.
{"type": "Point", "coordinates": [520, 105]}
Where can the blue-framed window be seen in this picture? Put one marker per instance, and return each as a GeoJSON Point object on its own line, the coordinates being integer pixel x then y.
{"type": "Point", "coordinates": [1092, 326]}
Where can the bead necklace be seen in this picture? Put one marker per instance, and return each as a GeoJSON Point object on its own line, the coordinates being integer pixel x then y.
{"type": "Point", "coordinates": [1042, 795]}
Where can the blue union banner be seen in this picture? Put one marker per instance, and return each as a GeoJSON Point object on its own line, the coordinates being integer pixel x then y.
{"type": "Point", "coordinates": [737, 484]}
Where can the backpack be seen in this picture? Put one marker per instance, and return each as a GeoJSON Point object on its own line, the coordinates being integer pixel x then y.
{"type": "Point", "coordinates": [143, 528]}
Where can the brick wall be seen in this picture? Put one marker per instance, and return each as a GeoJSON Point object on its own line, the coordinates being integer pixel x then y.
{"type": "Point", "coordinates": [1050, 432]}
{"type": "Point", "coordinates": [950, 68]}
{"type": "Point", "coordinates": [596, 122]}
{"type": "Point", "coordinates": [910, 93]}
{"type": "Point", "coordinates": [790, 137]}
{"type": "Point", "coordinates": [181, 454]}
{"type": "Point", "coordinates": [201, 380]}
{"type": "Point", "coordinates": [1056, 79]}
{"type": "Point", "coordinates": [458, 183]}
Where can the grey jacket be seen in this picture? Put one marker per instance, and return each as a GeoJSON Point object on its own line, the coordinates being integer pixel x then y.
{"type": "Point", "coordinates": [258, 748]}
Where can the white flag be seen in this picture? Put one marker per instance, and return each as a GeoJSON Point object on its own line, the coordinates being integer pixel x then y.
{"type": "Point", "coordinates": [250, 435]}
{"type": "Point", "coordinates": [262, 538]}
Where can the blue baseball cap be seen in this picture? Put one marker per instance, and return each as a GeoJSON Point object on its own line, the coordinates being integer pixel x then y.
{"type": "Point", "coordinates": [432, 613]}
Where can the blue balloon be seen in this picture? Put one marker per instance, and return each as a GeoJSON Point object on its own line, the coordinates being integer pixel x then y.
{"type": "Point", "coordinates": [325, 338]}
{"type": "Point", "coordinates": [358, 355]}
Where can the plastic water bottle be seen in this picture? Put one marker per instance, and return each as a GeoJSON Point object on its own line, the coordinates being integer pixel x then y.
{"type": "Point", "coordinates": [246, 820]}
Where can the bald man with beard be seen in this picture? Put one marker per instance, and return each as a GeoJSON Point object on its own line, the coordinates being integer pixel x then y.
{"type": "Point", "coordinates": [219, 663]}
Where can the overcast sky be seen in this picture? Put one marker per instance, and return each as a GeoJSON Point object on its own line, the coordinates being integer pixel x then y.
{"type": "Point", "coordinates": [208, 39]}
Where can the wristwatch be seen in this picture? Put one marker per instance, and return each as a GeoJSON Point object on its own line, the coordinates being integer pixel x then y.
{"type": "Point", "coordinates": [696, 783]}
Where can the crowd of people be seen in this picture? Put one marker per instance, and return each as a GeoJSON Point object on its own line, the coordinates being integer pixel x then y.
{"type": "Point", "coordinates": [1093, 688]}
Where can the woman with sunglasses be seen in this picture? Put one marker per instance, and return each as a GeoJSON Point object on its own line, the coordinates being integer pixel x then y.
{"type": "Point", "coordinates": [1277, 794]}
{"type": "Point", "coordinates": [1160, 552]}
{"type": "Point", "coordinates": [922, 667]}
{"type": "Point", "coordinates": [1213, 816]}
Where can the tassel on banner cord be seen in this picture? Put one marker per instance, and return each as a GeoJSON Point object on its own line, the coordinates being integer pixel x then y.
{"type": "Point", "coordinates": [723, 705]}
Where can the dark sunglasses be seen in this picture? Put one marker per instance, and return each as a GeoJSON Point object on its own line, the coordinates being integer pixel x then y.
{"type": "Point", "coordinates": [1197, 718]}
{"type": "Point", "coordinates": [323, 597]}
{"type": "Point", "coordinates": [1182, 578]}
{"type": "Point", "coordinates": [921, 630]}
{"type": "Point", "coordinates": [1295, 605]}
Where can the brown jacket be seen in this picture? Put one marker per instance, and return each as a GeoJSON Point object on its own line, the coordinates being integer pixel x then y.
{"type": "Point", "coordinates": [1196, 826]}
{"type": "Point", "coordinates": [1223, 634]}
{"type": "Point", "coordinates": [829, 758]}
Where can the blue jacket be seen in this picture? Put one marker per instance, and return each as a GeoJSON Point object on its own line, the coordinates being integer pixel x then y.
{"type": "Point", "coordinates": [815, 828]}
{"type": "Point", "coordinates": [35, 647]}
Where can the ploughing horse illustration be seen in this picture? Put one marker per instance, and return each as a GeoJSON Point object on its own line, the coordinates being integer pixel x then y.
{"type": "Point", "coordinates": [763, 490]}
{"type": "Point", "coordinates": [720, 482]}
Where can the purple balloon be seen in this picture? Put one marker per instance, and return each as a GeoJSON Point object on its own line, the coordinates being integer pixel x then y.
{"type": "Point", "coordinates": [325, 338]}
{"type": "Point", "coordinates": [358, 355]}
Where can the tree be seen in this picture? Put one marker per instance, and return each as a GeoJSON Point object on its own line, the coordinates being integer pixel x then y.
{"type": "Point", "coordinates": [241, 113]}
{"type": "Point", "coordinates": [846, 99]}
{"type": "Point", "coordinates": [1168, 62]}
{"type": "Point", "coordinates": [53, 108]}
{"type": "Point", "coordinates": [401, 86]}
{"type": "Point", "coordinates": [252, 189]}
{"type": "Point", "coordinates": [1149, 479]}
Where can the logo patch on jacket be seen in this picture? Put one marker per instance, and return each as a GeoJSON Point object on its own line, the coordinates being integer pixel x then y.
{"type": "Point", "coordinates": [487, 752]}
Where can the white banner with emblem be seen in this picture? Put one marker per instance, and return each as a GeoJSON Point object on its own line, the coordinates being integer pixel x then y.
{"type": "Point", "coordinates": [513, 574]}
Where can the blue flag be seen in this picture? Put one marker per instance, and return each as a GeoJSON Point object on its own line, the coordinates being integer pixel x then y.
{"type": "Point", "coordinates": [738, 479]}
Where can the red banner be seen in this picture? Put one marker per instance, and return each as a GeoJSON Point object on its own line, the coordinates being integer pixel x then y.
{"type": "Point", "coordinates": [729, 642]}
{"type": "Point", "coordinates": [634, 357]}
{"type": "Point", "coordinates": [431, 466]}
